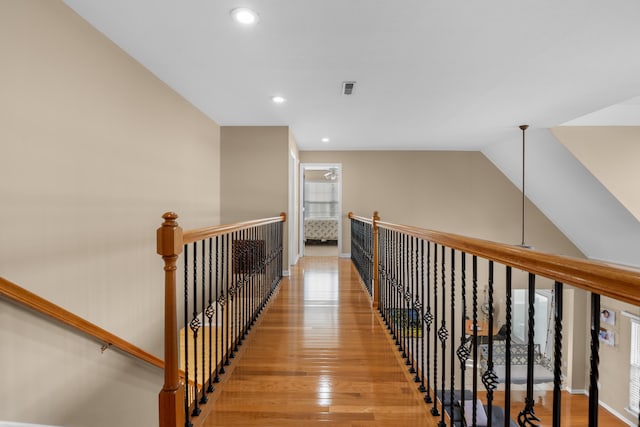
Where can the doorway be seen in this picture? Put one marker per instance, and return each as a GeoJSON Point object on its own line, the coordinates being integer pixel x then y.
{"type": "Point", "coordinates": [321, 207]}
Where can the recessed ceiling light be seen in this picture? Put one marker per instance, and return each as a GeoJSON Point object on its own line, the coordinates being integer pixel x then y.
{"type": "Point", "coordinates": [325, 140]}
{"type": "Point", "coordinates": [278, 99]}
{"type": "Point", "coordinates": [245, 16]}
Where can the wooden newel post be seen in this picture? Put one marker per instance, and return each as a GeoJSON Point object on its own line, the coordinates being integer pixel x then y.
{"type": "Point", "coordinates": [171, 398]}
{"type": "Point", "coordinates": [376, 291]}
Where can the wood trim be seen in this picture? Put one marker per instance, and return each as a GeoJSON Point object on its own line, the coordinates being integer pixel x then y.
{"type": "Point", "coordinates": [32, 301]}
{"type": "Point", "coordinates": [615, 282]}
{"type": "Point", "coordinates": [360, 218]}
{"type": "Point", "coordinates": [195, 235]}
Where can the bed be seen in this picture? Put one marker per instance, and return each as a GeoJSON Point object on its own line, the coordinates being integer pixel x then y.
{"type": "Point", "coordinates": [322, 229]}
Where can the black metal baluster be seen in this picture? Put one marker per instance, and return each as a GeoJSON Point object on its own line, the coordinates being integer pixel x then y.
{"type": "Point", "coordinates": [507, 356]}
{"type": "Point", "coordinates": [428, 319]}
{"type": "Point", "coordinates": [410, 308]}
{"type": "Point", "coordinates": [187, 415]}
{"type": "Point", "coordinates": [226, 299]}
{"type": "Point", "coordinates": [527, 417]}
{"type": "Point", "coordinates": [398, 289]}
{"type": "Point", "coordinates": [595, 360]}
{"type": "Point", "coordinates": [217, 289]}
{"type": "Point", "coordinates": [194, 325]}
{"type": "Point", "coordinates": [474, 339]}
{"type": "Point", "coordinates": [463, 351]}
{"type": "Point", "coordinates": [434, 409]}
{"type": "Point", "coordinates": [210, 313]}
{"type": "Point", "coordinates": [407, 302]}
{"type": "Point", "coordinates": [416, 317]}
{"type": "Point", "coordinates": [443, 335]}
{"type": "Point", "coordinates": [452, 348]}
{"type": "Point", "coordinates": [422, 387]}
{"type": "Point", "coordinates": [557, 353]}
{"type": "Point", "coordinates": [203, 397]}
{"type": "Point", "coordinates": [489, 377]}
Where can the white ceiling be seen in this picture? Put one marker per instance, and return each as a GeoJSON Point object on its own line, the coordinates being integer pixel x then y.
{"type": "Point", "coordinates": [430, 74]}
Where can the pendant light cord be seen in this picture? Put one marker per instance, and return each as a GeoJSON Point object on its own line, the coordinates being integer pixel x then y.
{"type": "Point", "coordinates": [524, 128]}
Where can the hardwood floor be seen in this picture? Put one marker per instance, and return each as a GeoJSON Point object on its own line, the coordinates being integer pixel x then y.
{"type": "Point", "coordinates": [320, 356]}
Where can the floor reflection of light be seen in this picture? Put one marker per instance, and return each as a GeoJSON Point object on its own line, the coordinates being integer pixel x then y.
{"type": "Point", "coordinates": [321, 286]}
{"type": "Point", "coordinates": [321, 308]}
{"type": "Point", "coordinates": [324, 390]}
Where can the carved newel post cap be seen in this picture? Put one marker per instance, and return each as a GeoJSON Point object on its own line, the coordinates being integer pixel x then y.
{"type": "Point", "coordinates": [169, 236]}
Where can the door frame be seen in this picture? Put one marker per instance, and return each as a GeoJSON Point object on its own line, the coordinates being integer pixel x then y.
{"type": "Point", "coordinates": [316, 166]}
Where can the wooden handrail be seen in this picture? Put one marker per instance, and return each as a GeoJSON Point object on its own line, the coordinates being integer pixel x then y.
{"type": "Point", "coordinates": [620, 283]}
{"type": "Point", "coordinates": [32, 301]}
{"type": "Point", "coordinates": [351, 215]}
{"type": "Point", "coordinates": [198, 234]}
{"type": "Point", "coordinates": [170, 241]}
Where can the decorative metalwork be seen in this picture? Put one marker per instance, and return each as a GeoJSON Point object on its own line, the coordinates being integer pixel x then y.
{"type": "Point", "coordinates": [463, 354]}
{"type": "Point", "coordinates": [527, 417]}
{"type": "Point", "coordinates": [209, 312]}
{"type": "Point", "coordinates": [490, 380]}
{"type": "Point", "coordinates": [443, 334]}
{"type": "Point", "coordinates": [195, 324]}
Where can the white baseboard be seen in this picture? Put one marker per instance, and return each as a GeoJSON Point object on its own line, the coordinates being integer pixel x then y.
{"type": "Point", "coordinates": [616, 413]}
{"type": "Point", "coordinates": [348, 255]}
{"type": "Point", "coordinates": [604, 405]}
{"type": "Point", "coordinates": [285, 273]}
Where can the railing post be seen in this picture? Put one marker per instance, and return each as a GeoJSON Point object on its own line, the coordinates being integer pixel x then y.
{"type": "Point", "coordinates": [171, 398]}
{"type": "Point", "coordinates": [375, 291]}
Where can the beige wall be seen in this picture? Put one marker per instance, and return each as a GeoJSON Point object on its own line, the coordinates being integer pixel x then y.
{"type": "Point", "coordinates": [458, 192]}
{"type": "Point", "coordinates": [94, 150]}
{"type": "Point", "coordinates": [254, 173]}
{"type": "Point", "coordinates": [611, 154]}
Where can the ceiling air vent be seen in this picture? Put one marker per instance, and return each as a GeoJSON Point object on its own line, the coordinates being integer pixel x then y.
{"type": "Point", "coordinates": [347, 88]}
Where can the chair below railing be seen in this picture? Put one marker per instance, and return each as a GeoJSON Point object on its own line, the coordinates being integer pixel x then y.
{"type": "Point", "coordinates": [230, 272]}
{"type": "Point", "coordinates": [439, 295]}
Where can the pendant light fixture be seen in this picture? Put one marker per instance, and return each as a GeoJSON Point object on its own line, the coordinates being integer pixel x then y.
{"type": "Point", "coordinates": [523, 128]}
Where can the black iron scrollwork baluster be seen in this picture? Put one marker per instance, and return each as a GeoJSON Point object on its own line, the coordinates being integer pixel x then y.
{"type": "Point", "coordinates": [527, 416]}
{"type": "Point", "coordinates": [443, 335]}
{"type": "Point", "coordinates": [507, 368]}
{"type": "Point", "coordinates": [463, 352]}
{"type": "Point", "coordinates": [195, 325]}
{"type": "Point", "coordinates": [434, 409]}
{"type": "Point", "coordinates": [557, 353]}
{"type": "Point", "coordinates": [422, 387]}
{"type": "Point", "coordinates": [474, 338]}
{"type": "Point", "coordinates": [594, 360]}
{"type": "Point", "coordinates": [489, 377]}
{"type": "Point", "coordinates": [428, 320]}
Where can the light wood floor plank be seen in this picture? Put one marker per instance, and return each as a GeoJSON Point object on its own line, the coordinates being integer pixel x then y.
{"type": "Point", "coordinates": [319, 356]}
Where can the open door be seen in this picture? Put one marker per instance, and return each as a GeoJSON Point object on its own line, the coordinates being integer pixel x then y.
{"type": "Point", "coordinates": [321, 208]}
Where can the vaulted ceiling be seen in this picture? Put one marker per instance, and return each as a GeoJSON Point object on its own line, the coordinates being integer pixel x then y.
{"type": "Point", "coordinates": [429, 74]}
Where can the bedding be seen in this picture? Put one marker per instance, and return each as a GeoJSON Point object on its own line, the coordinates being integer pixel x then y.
{"type": "Point", "coordinates": [321, 229]}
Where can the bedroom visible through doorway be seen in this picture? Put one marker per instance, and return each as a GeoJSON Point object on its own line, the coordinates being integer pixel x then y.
{"type": "Point", "coordinates": [321, 209]}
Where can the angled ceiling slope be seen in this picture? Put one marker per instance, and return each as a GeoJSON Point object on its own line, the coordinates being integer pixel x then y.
{"type": "Point", "coordinates": [430, 75]}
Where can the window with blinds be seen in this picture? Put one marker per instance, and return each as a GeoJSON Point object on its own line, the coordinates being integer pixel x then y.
{"type": "Point", "coordinates": [634, 374]}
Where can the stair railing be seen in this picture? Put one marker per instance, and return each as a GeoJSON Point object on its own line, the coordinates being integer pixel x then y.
{"type": "Point", "coordinates": [28, 299]}
{"type": "Point", "coordinates": [230, 273]}
{"type": "Point", "coordinates": [437, 293]}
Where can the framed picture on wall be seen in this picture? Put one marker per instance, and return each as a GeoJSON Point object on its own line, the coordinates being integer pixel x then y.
{"type": "Point", "coordinates": [606, 336]}
{"type": "Point", "coordinates": [607, 316]}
